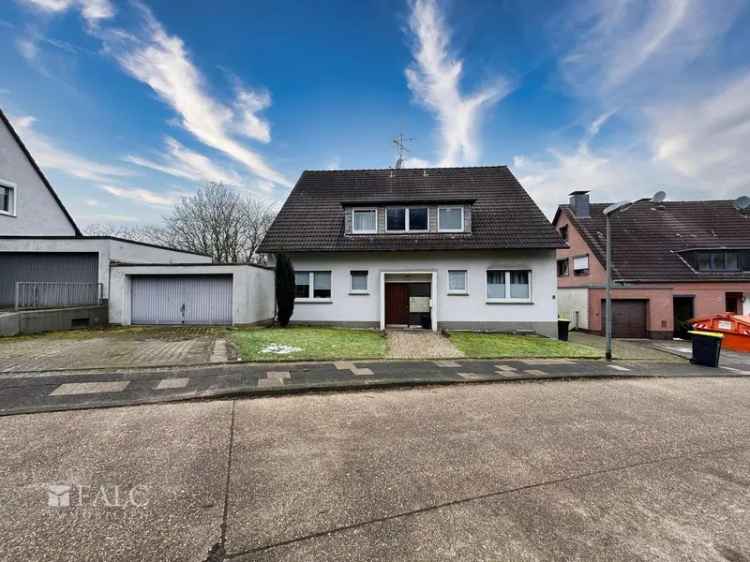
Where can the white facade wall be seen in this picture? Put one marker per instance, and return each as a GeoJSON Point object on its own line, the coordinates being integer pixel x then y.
{"type": "Point", "coordinates": [470, 311]}
{"type": "Point", "coordinates": [253, 296]}
{"type": "Point", "coordinates": [109, 250]}
{"type": "Point", "coordinates": [573, 304]}
{"type": "Point", "coordinates": [36, 211]}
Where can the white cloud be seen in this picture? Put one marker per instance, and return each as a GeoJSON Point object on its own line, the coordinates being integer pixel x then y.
{"type": "Point", "coordinates": [92, 10]}
{"type": "Point", "coordinates": [182, 162]}
{"type": "Point", "coordinates": [27, 48]}
{"type": "Point", "coordinates": [625, 47]}
{"type": "Point", "coordinates": [707, 139]}
{"type": "Point", "coordinates": [50, 156]}
{"type": "Point", "coordinates": [434, 78]}
{"type": "Point", "coordinates": [143, 195]}
{"type": "Point", "coordinates": [162, 62]}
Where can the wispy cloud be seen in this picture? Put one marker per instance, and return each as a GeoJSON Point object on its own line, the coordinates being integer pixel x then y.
{"type": "Point", "coordinates": [181, 162]}
{"type": "Point", "coordinates": [434, 77]}
{"type": "Point", "coordinates": [163, 63]}
{"type": "Point", "coordinates": [27, 48]}
{"type": "Point", "coordinates": [92, 10]}
{"type": "Point", "coordinates": [51, 156]}
{"type": "Point", "coordinates": [143, 195]}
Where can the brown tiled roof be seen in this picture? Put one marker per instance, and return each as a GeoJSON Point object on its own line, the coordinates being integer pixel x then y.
{"type": "Point", "coordinates": [647, 239]}
{"type": "Point", "coordinates": [503, 215]}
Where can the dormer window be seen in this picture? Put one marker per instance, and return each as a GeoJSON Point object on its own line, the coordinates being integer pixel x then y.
{"type": "Point", "coordinates": [451, 219]}
{"type": "Point", "coordinates": [364, 221]}
{"type": "Point", "coordinates": [406, 219]}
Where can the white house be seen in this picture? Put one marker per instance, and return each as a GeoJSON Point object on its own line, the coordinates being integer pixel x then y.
{"type": "Point", "coordinates": [65, 278]}
{"type": "Point", "coordinates": [440, 248]}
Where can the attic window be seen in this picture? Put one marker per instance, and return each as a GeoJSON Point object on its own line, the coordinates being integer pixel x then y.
{"type": "Point", "coordinates": [7, 198]}
{"type": "Point", "coordinates": [564, 232]}
{"type": "Point", "coordinates": [364, 221]}
{"type": "Point", "coordinates": [451, 219]}
{"type": "Point", "coordinates": [406, 219]}
{"type": "Point", "coordinates": [723, 261]}
{"type": "Point", "coordinates": [581, 265]}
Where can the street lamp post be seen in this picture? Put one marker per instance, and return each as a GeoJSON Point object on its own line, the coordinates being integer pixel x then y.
{"type": "Point", "coordinates": [612, 209]}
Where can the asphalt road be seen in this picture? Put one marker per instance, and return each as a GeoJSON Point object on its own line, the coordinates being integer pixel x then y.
{"type": "Point", "coordinates": [590, 470]}
{"type": "Point", "coordinates": [35, 392]}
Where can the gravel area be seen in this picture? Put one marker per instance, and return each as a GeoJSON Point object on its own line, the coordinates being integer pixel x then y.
{"type": "Point", "coordinates": [422, 344]}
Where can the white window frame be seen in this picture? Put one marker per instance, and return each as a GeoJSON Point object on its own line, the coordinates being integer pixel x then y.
{"type": "Point", "coordinates": [366, 209]}
{"type": "Point", "coordinates": [407, 219]}
{"type": "Point", "coordinates": [507, 299]}
{"type": "Point", "coordinates": [14, 191]}
{"type": "Point", "coordinates": [354, 291]}
{"type": "Point", "coordinates": [311, 285]}
{"type": "Point", "coordinates": [465, 290]}
{"type": "Point", "coordinates": [463, 212]}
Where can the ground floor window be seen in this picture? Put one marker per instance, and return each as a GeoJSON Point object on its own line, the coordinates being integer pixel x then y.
{"type": "Point", "coordinates": [457, 282]}
{"type": "Point", "coordinates": [312, 284]}
{"type": "Point", "coordinates": [359, 281]}
{"type": "Point", "coordinates": [508, 285]}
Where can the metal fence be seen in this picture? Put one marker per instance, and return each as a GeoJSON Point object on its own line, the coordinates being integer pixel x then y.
{"type": "Point", "coordinates": [56, 294]}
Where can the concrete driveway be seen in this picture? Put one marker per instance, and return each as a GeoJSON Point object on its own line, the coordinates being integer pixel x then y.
{"type": "Point", "coordinates": [114, 348]}
{"type": "Point", "coordinates": [589, 470]}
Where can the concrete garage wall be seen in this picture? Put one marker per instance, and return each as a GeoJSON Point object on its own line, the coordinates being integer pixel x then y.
{"type": "Point", "coordinates": [37, 321]}
{"type": "Point", "coordinates": [252, 289]}
{"type": "Point", "coordinates": [108, 249]}
{"type": "Point", "coordinates": [573, 304]}
{"type": "Point", "coordinates": [453, 311]}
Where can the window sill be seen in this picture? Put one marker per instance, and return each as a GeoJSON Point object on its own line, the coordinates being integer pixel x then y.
{"type": "Point", "coordinates": [313, 301]}
{"type": "Point", "coordinates": [509, 301]}
{"type": "Point", "coordinates": [356, 232]}
{"type": "Point", "coordinates": [359, 292]}
{"type": "Point", "coordinates": [458, 293]}
{"type": "Point", "coordinates": [7, 214]}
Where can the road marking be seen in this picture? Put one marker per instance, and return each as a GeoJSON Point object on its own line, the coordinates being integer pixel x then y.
{"type": "Point", "coordinates": [447, 364]}
{"type": "Point", "coordinates": [504, 368]}
{"type": "Point", "coordinates": [349, 366]}
{"type": "Point", "coordinates": [618, 367]}
{"type": "Point", "coordinates": [71, 388]}
{"type": "Point", "coordinates": [535, 372]}
{"type": "Point", "coordinates": [472, 376]}
{"type": "Point", "coordinates": [546, 361]}
{"type": "Point", "coordinates": [172, 383]}
{"type": "Point", "coordinates": [274, 378]}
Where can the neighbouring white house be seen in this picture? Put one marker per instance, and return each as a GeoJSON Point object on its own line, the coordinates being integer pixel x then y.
{"type": "Point", "coordinates": [438, 248]}
{"type": "Point", "coordinates": [53, 277]}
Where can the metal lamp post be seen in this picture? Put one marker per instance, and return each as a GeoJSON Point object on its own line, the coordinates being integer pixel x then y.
{"type": "Point", "coordinates": [614, 208]}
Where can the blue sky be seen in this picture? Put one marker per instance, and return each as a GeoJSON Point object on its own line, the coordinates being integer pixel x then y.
{"type": "Point", "coordinates": [130, 105]}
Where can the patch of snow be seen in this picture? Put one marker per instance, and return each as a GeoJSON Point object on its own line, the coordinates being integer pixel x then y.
{"type": "Point", "coordinates": [280, 349]}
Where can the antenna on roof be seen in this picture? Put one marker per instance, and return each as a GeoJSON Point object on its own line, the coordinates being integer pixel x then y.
{"type": "Point", "coordinates": [742, 204]}
{"type": "Point", "coordinates": [400, 142]}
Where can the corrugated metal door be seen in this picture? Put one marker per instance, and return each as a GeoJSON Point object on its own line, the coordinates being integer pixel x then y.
{"type": "Point", "coordinates": [44, 267]}
{"type": "Point", "coordinates": [628, 318]}
{"type": "Point", "coordinates": [181, 299]}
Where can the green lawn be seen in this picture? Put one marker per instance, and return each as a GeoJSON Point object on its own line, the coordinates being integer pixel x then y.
{"type": "Point", "coordinates": [307, 343]}
{"type": "Point", "coordinates": [492, 346]}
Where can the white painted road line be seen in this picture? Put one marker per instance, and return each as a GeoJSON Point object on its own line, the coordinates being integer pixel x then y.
{"type": "Point", "coordinates": [72, 388]}
{"type": "Point", "coordinates": [172, 383]}
{"type": "Point", "coordinates": [274, 378]}
{"type": "Point", "coordinates": [504, 368]}
{"type": "Point", "coordinates": [447, 364]}
{"type": "Point", "coordinates": [535, 372]}
{"type": "Point", "coordinates": [618, 367]}
{"type": "Point", "coordinates": [472, 376]}
{"type": "Point", "coordinates": [349, 366]}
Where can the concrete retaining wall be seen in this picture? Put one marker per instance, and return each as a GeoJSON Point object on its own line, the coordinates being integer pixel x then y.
{"type": "Point", "coordinates": [49, 320]}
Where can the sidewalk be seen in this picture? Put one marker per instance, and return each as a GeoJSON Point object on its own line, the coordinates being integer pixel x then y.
{"type": "Point", "coordinates": [51, 391]}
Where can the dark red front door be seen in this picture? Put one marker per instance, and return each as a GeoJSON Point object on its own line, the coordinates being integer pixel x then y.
{"type": "Point", "coordinates": [396, 303]}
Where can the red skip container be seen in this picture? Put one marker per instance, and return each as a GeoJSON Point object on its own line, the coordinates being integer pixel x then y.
{"type": "Point", "coordinates": [735, 328]}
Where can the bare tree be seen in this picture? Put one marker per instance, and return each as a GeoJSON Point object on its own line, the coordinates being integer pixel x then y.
{"type": "Point", "coordinates": [216, 221]}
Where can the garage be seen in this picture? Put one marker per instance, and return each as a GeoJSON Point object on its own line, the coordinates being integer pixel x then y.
{"type": "Point", "coordinates": [47, 267]}
{"type": "Point", "coordinates": [629, 318]}
{"type": "Point", "coordinates": [181, 299]}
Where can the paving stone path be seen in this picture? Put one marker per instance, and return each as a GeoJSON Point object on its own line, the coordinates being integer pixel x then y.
{"type": "Point", "coordinates": [419, 344]}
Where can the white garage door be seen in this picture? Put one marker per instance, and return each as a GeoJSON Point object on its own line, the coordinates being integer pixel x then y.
{"type": "Point", "coordinates": [178, 299]}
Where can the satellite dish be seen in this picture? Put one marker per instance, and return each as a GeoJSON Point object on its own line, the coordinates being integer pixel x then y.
{"type": "Point", "coordinates": [742, 203]}
{"type": "Point", "coordinates": [658, 197]}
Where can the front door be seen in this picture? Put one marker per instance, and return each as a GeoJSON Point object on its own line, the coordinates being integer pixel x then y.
{"type": "Point", "coordinates": [397, 303]}
{"type": "Point", "coordinates": [683, 311]}
{"type": "Point", "coordinates": [733, 302]}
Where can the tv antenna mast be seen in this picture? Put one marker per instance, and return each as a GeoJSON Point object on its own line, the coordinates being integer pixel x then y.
{"type": "Point", "coordinates": [400, 142]}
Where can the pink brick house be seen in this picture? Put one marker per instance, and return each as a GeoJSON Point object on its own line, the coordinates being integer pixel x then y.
{"type": "Point", "coordinates": [672, 262]}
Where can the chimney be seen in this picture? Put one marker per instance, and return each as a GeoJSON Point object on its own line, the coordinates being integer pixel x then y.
{"type": "Point", "coordinates": [580, 204]}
